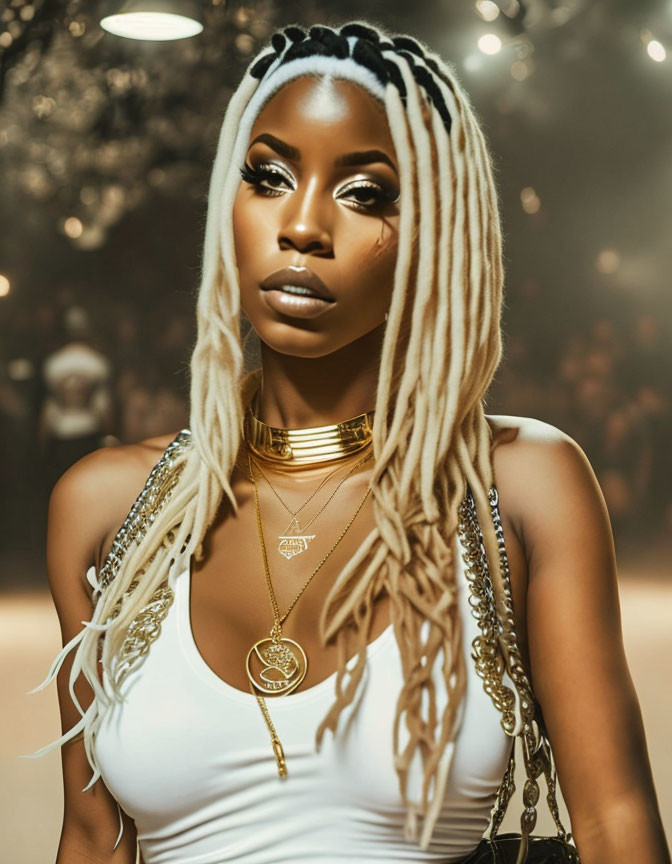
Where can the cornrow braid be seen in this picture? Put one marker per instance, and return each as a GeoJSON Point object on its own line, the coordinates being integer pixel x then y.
{"type": "Point", "coordinates": [431, 438]}
{"type": "Point", "coordinates": [366, 47]}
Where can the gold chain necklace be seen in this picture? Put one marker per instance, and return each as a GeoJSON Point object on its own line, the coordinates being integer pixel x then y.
{"type": "Point", "coordinates": [292, 541]}
{"type": "Point", "coordinates": [276, 666]}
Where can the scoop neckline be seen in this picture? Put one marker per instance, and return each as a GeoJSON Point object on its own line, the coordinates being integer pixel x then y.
{"type": "Point", "coordinates": [190, 649]}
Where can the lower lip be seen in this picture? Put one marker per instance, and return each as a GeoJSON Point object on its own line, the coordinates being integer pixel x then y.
{"type": "Point", "coordinates": [296, 305]}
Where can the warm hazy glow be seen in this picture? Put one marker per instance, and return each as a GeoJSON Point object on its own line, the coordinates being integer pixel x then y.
{"type": "Point", "coordinates": [20, 369]}
{"type": "Point", "coordinates": [530, 200]}
{"type": "Point", "coordinates": [73, 227]}
{"type": "Point", "coordinates": [608, 261]}
{"type": "Point", "coordinates": [656, 51]}
{"type": "Point", "coordinates": [487, 9]}
{"type": "Point", "coordinates": [519, 70]}
{"type": "Point", "coordinates": [490, 44]}
{"type": "Point", "coordinates": [4, 286]}
{"type": "Point", "coordinates": [473, 62]}
{"type": "Point", "coordinates": [156, 26]}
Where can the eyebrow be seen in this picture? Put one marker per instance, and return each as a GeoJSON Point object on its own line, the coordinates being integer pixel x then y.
{"type": "Point", "coordinates": [364, 157]}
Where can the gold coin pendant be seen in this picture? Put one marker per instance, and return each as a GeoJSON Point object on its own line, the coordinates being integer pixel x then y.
{"type": "Point", "coordinates": [276, 667]}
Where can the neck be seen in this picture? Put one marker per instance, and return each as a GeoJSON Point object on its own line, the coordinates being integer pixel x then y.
{"type": "Point", "coordinates": [300, 392]}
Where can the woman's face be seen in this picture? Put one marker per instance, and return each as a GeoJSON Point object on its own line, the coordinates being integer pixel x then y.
{"type": "Point", "coordinates": [317, 209]}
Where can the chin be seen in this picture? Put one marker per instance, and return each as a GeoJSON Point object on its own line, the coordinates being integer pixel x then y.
{"type": "Point", "coordinates": [301, 343]}
{"type": "Point", "coordinates": [298, 341]}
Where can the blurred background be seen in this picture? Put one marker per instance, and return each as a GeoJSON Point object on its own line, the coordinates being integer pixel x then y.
{"type": "Point", "coordinates": [106, 145]}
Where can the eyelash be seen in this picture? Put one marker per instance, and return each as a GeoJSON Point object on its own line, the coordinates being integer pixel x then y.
{"type": "Point", "coordinates": [255, 176]}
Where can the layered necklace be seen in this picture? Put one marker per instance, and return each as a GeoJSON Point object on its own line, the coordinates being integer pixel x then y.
{"type": "Point", "coordinates": [292, 541]}
{"type": "Point", "coordinates": [276, 665]}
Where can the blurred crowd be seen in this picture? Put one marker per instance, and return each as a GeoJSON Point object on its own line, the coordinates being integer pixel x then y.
{"type": "Point", "coordinates": [608, 387]}
{"type": "Point", "coordinates": [75, 376]}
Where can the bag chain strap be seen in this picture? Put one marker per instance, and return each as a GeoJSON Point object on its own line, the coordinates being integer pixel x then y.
{"type": "Point", "coordinates": [157, 489]}
{"type": "Point", "coordinates": [146, 626]}
{"type": "Point", "coordinates": [490, 665]}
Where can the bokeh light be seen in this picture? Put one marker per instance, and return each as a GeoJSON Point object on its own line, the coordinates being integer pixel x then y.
{"type": "Point", "coordinates": [608, 261]}
{"type": "Point", "coordinates": [490, 43]}
{"type": "Point", "coordinates": [530, 200]}
{"type": "Point", "coordinates": [20, 369]}
{"type": "Point", "coordinates": [72, 227]}
{"type": "Point", "coordinates": [487, 9]}
{"type": "Point", "coordinates": [520, 70]}
{"type": "Point", "coordinates": [656, 51]}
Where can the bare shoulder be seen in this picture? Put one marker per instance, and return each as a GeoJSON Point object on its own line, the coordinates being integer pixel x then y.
{"type": "Point", "coordinates": [86, 508]}
{"type": "Point", "coordinates": [574, 649]}
{"type": "Point", "coordinates": [95, 494]}
{"type": "Point", "coordinates": [545, 481]}
{"type": "Point", "coordinates": [510, 427]}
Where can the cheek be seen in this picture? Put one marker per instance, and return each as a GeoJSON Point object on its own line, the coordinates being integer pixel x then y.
{"type": "Point", "coordinates": [248, 227]}
{"type": "Point", "coordinates": [376, 253]}
{"type": "Point", "coordinates": [384, 249]}
{"type": "Point", "coordinates": [238, 223]}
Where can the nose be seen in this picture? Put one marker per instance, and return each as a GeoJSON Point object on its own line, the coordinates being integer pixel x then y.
{"type": "Point", "coordinates": [306, 226]}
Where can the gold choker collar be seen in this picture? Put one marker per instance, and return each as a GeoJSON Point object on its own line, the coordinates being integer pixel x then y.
{"type": "Point", "coordinates": [303, 448]}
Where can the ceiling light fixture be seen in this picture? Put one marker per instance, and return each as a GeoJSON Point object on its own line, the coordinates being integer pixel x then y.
{"type": "Point", "coordinates": [155, 20]}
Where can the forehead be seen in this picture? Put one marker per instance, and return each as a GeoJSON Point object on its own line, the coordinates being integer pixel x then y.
{"type": "Point", "coordinates": [333, 109]}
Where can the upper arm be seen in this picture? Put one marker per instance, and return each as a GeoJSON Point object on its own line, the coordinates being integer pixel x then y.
{"type": "Point", "coordinates": [577, 660]}
{"type": "Point", "coordinates": [78, 513]}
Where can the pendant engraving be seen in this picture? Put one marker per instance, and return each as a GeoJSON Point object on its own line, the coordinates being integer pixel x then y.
{"type": "Point", "coordinates": [293, 544]}
{"type": "Point", "coordinates": [276, 667]}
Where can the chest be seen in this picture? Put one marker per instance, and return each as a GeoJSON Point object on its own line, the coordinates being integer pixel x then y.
{"type": "Point", "coordinates": [213, 739]}
{"type": "Point", "coordinates": [230, 605]}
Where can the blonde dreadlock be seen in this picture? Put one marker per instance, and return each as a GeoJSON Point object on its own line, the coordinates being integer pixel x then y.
{"type": "Point", "coordinates": [431, 438]}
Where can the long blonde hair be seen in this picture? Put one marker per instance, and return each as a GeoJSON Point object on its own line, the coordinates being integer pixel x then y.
{"type": "Point", "coordinates": [441, 348]}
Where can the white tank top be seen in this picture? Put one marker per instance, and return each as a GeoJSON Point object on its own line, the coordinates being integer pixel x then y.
{"type": "Point", "coordinates": [189, 758]}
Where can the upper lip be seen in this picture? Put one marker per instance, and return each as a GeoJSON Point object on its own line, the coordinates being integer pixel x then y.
{"type": "Point", "coordinates": [298, 276]}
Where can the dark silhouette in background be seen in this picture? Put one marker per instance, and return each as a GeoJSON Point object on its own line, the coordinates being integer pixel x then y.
{"type": "Point", "coordinates": [76, 412]}
{"type": "Point", "coordinates": [69, 386]}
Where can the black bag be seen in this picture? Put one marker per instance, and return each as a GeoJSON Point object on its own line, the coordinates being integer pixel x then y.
{"type": "Point", "coordinates": [495, 651]}
{"type": "Point", "coordinates": [541, 850]}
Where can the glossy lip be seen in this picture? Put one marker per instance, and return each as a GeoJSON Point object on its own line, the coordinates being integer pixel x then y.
{"type": "Point", "coordinates": [295, 305]}
{"type": "Point", "coordinates": [301, 276]}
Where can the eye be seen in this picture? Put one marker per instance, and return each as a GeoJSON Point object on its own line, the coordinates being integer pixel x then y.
{"type": "Point", "coordinates": [366, 195]}
{"type": "Point", "coordinates": [267, 178]}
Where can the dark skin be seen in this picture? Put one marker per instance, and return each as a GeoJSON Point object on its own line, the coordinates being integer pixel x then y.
{"type": "Point", "coordinates": [318, 371]}
{"type": "Point", "coordinates": [323, 370]}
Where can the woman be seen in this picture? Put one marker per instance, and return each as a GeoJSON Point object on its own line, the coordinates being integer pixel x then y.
{"type": "Point", "coordinates": [314, 534]}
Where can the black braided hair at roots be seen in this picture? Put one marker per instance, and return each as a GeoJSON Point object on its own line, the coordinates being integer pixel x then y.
{"type": "Point", "coordinates": [368, 51]}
